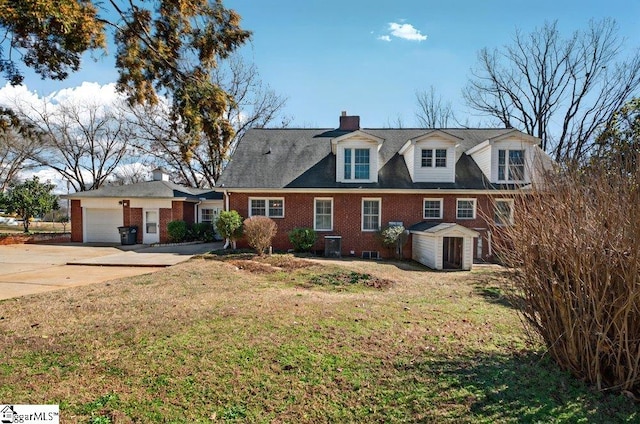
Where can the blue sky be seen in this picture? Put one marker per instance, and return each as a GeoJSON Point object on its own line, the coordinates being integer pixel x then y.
{"type": "Point", "coordinates": [328, 56]}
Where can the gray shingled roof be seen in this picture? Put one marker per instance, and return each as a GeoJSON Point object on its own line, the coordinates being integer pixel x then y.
{"type": "Point", "coordinates": [302, 158]}
{"type": "Point", "coordinates": [149, 189]}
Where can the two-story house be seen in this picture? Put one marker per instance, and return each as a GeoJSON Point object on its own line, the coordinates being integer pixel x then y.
{"type": "Point", "coordinates": [347, 183]}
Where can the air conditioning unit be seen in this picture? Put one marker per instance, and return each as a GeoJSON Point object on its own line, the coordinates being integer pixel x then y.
{"type": "Point", "coordinates": [333, 246]}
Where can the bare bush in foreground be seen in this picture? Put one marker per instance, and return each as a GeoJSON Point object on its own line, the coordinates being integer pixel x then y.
{"type": "Point", "coordinates": [259, 232]}
{"type": "Point", "coordinates": [576, 254]}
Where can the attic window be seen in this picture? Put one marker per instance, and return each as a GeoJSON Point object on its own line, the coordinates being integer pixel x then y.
{"type": "Point", "coordinates": [510, 165]}
{"type": "Point", "coordinates": [356, 164]}
{"type": "Point", "coordinates": [428, 155]}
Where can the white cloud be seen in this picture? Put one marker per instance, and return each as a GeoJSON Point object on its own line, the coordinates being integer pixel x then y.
{"type": "Point", "coordinates": [406, 32]}
{"type": "Point", "coordinates": [384, 38]}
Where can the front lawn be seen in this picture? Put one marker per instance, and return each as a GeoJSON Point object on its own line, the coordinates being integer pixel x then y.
{"type": "Point", "coordinates": [288, 340]}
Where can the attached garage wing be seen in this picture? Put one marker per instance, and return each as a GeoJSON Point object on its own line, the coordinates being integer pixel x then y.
{"type": "Point", "coordinates": [101, 225]}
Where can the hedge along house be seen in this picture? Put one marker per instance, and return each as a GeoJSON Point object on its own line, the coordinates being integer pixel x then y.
{"type": "Point", "coordinates": [347, 183]}
{"type": "Point", "coordinates": [150, 206]}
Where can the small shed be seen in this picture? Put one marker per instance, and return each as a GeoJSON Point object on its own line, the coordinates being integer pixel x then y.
{"type": "Point", "coordinates": [442, 245]}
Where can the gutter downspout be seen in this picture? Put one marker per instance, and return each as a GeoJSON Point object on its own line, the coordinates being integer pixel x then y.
{"type": "Point", "coordinates": [195, 212]}
{"type": "Point", "coordinates": [226, 208]}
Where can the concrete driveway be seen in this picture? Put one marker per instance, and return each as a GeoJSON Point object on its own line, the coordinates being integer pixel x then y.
{"type": "Point", "coordinates": [34, 268]}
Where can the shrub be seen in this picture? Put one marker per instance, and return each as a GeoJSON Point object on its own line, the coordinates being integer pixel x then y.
{"type": "Point", "coordinates": [259, 231]}
{"type": "Point", "coordinates": [178, 231]}
{"type": "Point", "coordinates": [202, 231]}
{"type": "Point", "coordinates": [302, 239]}
{"type": "Point", "coordinates": [229, 226]}
{"type": "Point", "coordinates": [576, 259]}
{"type": "Point", "coordinates": [393, 237]}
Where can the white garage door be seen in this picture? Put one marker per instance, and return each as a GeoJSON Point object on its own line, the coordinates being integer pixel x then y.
{"type": "Point", "coordinates": [101, 225]}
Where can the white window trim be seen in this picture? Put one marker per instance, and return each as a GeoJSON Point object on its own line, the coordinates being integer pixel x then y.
{"type": "Point", "coordinates": [379, 200]}
{"type": "Point", "coordinates": [475, 207]}
{"type": "Point", "coordinates": [213, 214]}
{"type": "Point", "coordinates": [511, 203]}
{"type": "Point", "coordinates": [434, 157]}
{"type": "Point", "coordinates": [506, 166]}
{"type": "Point", "coordinates": [432, 199]}
{"type": "Point", "coordinates": [266, 199]}
{"type": "Point", "coordinates": [315, 224]}
{"type": "Point", "coordinates": [352, 165]}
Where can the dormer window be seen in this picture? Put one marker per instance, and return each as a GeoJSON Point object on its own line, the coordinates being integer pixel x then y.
{"type": "Point", "coordinates": [428, 156]}
{"type": "Point", "coordinates": [510, 165]}
{"type": "Point", "coordinates": [356, 164]}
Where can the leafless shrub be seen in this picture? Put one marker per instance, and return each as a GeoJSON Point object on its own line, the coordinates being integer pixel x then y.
{"type": "Point", "coordinates": [259, 231]}
{"type": "Point", "coordinates": [576, 254]}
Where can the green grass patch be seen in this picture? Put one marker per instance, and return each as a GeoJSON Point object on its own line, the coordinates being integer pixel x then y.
{"type": "Point", "coordinates": [209, 341]}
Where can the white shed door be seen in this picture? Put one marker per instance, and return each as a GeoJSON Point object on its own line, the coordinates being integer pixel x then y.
{"type": "Point", "coordinates": [101, 225]}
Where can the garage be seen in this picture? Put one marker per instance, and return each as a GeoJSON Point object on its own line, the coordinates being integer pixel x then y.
{"type": "Point", "coordinates": [101, 225]}
{"type": "Point", "coordinates": [442, 246]}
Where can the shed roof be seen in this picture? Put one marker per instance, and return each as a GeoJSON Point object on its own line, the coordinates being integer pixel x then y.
{"type": "Point", "coordinates": [440, 228]}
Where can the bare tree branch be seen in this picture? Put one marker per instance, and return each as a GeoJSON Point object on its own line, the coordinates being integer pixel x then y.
{"type": "Point", "coordinates": [433, 112]}
{"type": "Point", "coordinates": [561, 90]}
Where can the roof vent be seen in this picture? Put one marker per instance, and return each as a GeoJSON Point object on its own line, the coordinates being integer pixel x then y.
{"type": "Point", "coordinates": [349, 123]}
{"type": "Point", "coordinates": [160, 174]}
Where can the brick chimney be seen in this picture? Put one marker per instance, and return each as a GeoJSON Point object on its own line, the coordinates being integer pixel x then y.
{"type": "Point", "coordinates": [349, 123]}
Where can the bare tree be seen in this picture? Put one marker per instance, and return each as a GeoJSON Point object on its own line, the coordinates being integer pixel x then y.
{"type": "Point", "coordinates": [15, 151]}
{"type": "Point", "coordinates": [200, 163]}
{"type": "Point", "coordinates": [433, 111]}
{"type": "Point", "coordinates": [132, 173]}
{"type": "Point", "coordinates": [84, 142]}
{"type": "Point", "coordinates": [561, 90]}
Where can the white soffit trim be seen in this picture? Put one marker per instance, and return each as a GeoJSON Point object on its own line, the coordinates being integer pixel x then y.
{"type": "Point", "coordinates": [360, 133]}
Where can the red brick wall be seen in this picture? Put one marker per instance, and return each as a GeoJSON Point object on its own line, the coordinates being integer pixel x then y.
{"type": "Point", "coordinates": [188, 212]}
{"type": "Point", "coordinates": [76, 221]}
{"type": "Point", "coordinates": [135, 218]}
{"type": "Point", "coordinates": [177, 210]}
{"type": "Point", "coordinates": [166, 216]}
{"type": "Point", "coordinates": [347, 221]}
{"type": "Point", "coordinates": [126, 213]}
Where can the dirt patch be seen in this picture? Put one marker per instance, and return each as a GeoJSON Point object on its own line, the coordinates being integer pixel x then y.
{"type": "Point", "coordinates": [347, 279]}
{"type": "Point", "coordinates": [264, 264]}
{"type": "Point", "coordinates": [6, 239]}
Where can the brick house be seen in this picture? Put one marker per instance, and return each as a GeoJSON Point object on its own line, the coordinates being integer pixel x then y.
{"type": "Point", "coordinates": [150, 206]}
{"type": "Point", "coordinates": [347, 183]}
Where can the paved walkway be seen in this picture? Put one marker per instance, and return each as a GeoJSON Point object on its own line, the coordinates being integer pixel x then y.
{"type": "Point", "coordinates": [35, 268]}
{"type": "Point", "coordinates": [145, 256]}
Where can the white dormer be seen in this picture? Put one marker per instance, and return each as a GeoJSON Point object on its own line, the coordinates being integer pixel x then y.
{"type": "Point", "coordinates": [357, 157]}
{"type": "Point", "coordinates": [507, 159]}
{"type": "Point", "coordinates": [431, 157]}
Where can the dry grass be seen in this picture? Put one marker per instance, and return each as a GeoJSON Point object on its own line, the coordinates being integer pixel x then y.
{"type": "Point", "coordinates": [209, 341]}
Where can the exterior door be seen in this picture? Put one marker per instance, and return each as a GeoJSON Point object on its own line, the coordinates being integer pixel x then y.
{"type": "Point", "coordinates": [151, 233]}
{"type": "Point", "coordinates": [452, 252]}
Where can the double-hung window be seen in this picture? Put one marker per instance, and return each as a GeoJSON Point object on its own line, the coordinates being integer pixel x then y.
{"type": "Point", "coordinates": [357, 164]}
{"type": "Point", "coordinates": [206, 216]}
{"type": "Point", "coordinates": [428, 155]}
{"type": "Point", "coordinates": [323, 215]}
{"type": "Point", "coordinates": [466, 209]}
{"type": "Point", "coordinates": [432, 209]}
{"type": "Point", "coordinates": [270, 207]}
{"type": "Point", "coordinates": [370, 214]}
{"type": "Point", "coordinates": [510, 165]}
{"type": "Point", "coordinates": [503, 214]}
